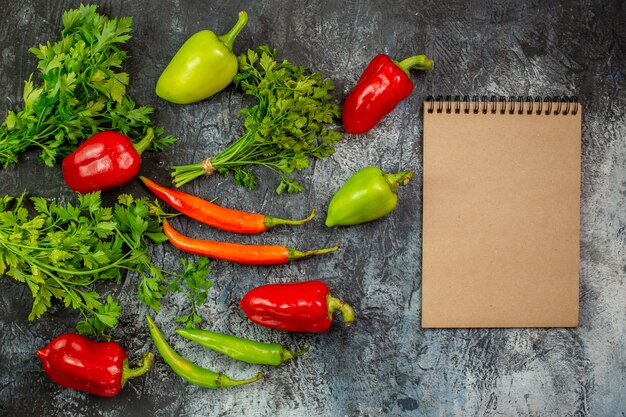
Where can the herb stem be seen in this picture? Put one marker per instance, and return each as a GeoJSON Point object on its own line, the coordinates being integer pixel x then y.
{"type": "Point", "coordinates": [285, 128]}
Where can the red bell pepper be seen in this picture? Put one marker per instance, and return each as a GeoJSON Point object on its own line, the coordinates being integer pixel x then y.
{"type": "Point", "coordinates": [383, 85]}
{"type": "Point", "coordinates": [100, 368]}
{"type": "Point", "coordinates": [297, 306]}
{"type": "Point", "coordinates": [105, 161]}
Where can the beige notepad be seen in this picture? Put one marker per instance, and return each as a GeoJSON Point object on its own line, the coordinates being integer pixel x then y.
{"type": "Point", "coordinates": [501, 198]}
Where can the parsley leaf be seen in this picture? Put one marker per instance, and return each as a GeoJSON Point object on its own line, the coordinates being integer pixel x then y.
{"type": "Point", "coordinates": [288, 126]}
{"type": "Point", "coordinates": [105, 316]}
{"type": "Point", "coordinates": [62, 250]}
{"type": "Point", "coordinates": [80, 91]}
{"type": "Point", "coordinates": [194, 284]}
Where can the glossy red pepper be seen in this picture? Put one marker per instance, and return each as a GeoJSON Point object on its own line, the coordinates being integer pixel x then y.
{"type": "Point", "coordinates": [296, 306]}
{"type": "Point", "coordinates": [105, 161]}
{"type": "Point", "coordinates": [381, 87]}
{"type": "Point", "coordinates": [101, 368]}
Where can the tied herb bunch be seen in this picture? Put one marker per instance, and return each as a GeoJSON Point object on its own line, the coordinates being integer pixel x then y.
{"type": "Point", "coordinates": [81, 92]}
{"type": "Point", "coordinates": [290, 123]}
{"type": "Point", "coordinates": [63, 250]}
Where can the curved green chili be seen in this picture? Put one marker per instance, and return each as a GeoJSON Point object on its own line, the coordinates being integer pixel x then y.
{"type": "Point", "coordinates": [188, 370]}
{"type": "Point", "coordinates": [241, 349]}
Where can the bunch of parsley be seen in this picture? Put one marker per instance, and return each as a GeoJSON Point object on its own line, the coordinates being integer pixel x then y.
{"type": "Point", "coordinates": [289, 124]}
{"type": "Point", "coordinates": [63, 250]}
{"type": "Point", "coordinates": [81, 91]}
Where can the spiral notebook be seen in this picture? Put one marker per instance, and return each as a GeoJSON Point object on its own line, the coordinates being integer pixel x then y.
{"type": "Point", "coordinates": [501, 212]}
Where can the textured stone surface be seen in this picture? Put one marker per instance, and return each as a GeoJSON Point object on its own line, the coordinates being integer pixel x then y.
{"type": "Point", "coordinates": [385, 364]}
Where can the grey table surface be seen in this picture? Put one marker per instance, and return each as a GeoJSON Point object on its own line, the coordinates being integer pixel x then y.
{"type": "Point", "coordinates": [385, 364]}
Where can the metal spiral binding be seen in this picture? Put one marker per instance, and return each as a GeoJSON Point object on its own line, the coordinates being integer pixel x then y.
{"type": "Point", "coordinates": [558, 105]}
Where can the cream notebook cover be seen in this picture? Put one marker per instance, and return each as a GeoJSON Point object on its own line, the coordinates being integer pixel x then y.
{"type": "Point", "coordinates": [501, 213]}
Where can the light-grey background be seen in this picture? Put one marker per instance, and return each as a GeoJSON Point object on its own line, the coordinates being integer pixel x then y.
{"type": "Point", "coordinates": [385, 364]}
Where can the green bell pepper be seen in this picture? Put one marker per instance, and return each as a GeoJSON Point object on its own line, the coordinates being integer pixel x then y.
{"type": "Point", "coordinates": [368, 195]}
{"type": "Point", "coordinates": [204, 65]}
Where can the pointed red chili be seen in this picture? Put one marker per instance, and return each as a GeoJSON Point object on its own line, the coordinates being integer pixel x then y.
{"type": "Point", "coordinates": [217, 216]}
{"type": "Point", "coordinates": [238, 252]}
{"type": "Point", "coordinates": [381, 87]}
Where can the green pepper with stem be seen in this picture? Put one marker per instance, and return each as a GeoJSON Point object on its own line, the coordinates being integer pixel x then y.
{"type": "Point", "coordinates": [188, 370]}
{"type": "Point", "coordinates": [367, 195]}
{"type": "Point", "coordinates": [204, 65]}
{"type": "Point", "coordinates": [245, 350]}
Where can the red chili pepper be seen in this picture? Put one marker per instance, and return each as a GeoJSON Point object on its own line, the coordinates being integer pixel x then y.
{"type": "Point", "coordinates": [238, 252]}
{"type": "Point", "coordinates": [105, 161]}
{"type": "Point", "coordinates": [100, 368]}
{"type": "Point", "coordinates": [383, 85]}
{"type": "Point", "coordinates": [214, 215]}
{"type": "Point", "coordinates": [297, 306]}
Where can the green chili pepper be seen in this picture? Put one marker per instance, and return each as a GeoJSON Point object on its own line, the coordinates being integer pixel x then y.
{"type": "Point", "coordinates": [203, 66]}
{"type": "Point", "coordinates": [241, 349]}
{"type": "Point", "coordinates": [188, 370]}
{"type": "Point", "coordinates": [368, 195]}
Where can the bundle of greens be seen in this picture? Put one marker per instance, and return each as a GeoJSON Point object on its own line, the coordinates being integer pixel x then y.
{"type": "Point", "coordinates": [81, 92]}
{"type": "Point", "coordinates": [289, 124]}
{"type": "Point", "coordinates": [63, 250]}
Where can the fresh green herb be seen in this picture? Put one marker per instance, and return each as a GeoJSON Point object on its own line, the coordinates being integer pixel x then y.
{"type": "Point", "coordinates": [81, 92]}
{"type": "Point", "coordinates": [64, 249]}
{"type": "Point", "coordinates": [192, 282]}
{"type": "Point", "coordinates": [287, 126]}
{"type": "Point", "coordinates": [194, 279]}
{"type": "Point", "coordinates": [102, 319]}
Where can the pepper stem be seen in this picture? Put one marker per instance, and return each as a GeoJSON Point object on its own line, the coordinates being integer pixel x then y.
{"type": "Point", "coordinates": [225, 381]}
{"type": "Point", "coordinates": [298, 254]}
{"type": "Point", "coordinates": [270, 221]}
{"type": "Point", "coordinates": [401, 178]}
{"type": "Point", "coordinates": [143, 144]}
{"type": "Point", "coordinates": [144, 365]}
{"type": "Point", "coordinates": [285, 354]}
{"type": "Point", "coordinates": [347, 312]}
{"type": "Point", "coordinates": [420, 62]}
{"type": "Point", "coordinates": [229, 38]}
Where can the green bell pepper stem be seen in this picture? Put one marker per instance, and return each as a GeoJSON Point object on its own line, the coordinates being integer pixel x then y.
{"type": "Point", "coordinates": [346, 310]}
{"type": "Point", "coordinates": [420, 62]}
{"type": "Point", "coordinates": [143, 144]}
{"type": "Point", "coordinates": [188, 370]}
{"type": "Point", "coordinates": [144, 366]}
{"type": "Point", "coordinates": [401, 178]}
{"type": "Point", "coordinates": [228, 39]}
